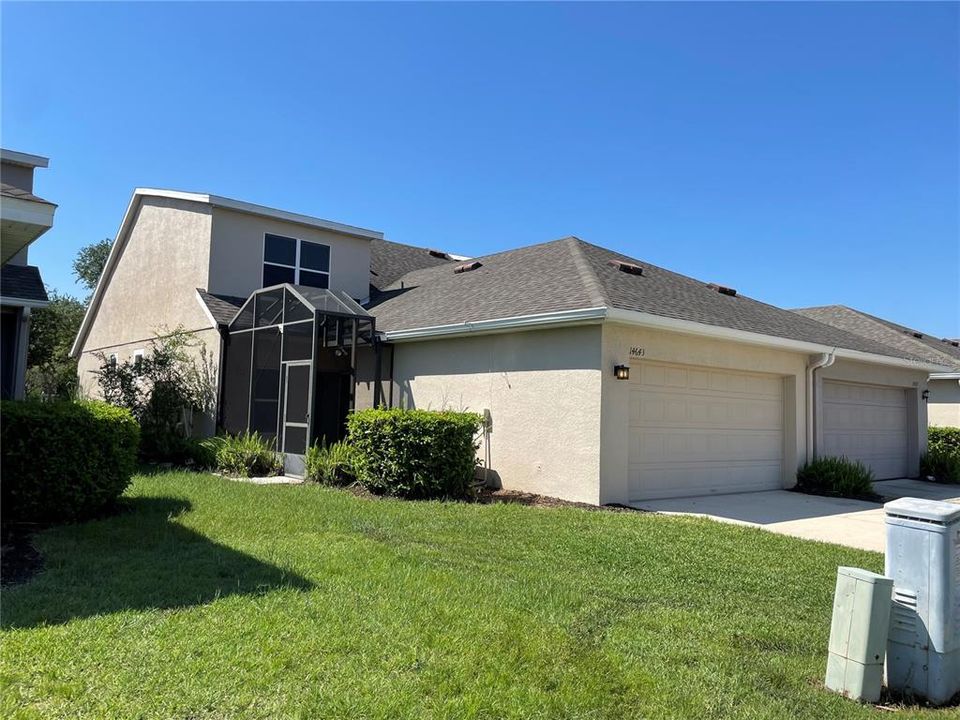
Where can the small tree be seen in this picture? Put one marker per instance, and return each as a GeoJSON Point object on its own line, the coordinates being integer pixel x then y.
{"type": "Point", "coordinates": [162, 390]}
{"type": "Point", "coordinates": [51, 372]}
{"type": "Point", "coordinates": [90, 261]}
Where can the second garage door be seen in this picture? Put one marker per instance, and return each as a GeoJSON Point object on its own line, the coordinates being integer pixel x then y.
{"type": "Point", "coordinates": [866, 423]}
{"type": "Point", "coordinates": [696, 431]}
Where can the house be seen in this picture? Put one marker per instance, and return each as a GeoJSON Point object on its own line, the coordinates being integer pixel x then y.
{"type": "Point", "coordinates": [23, 218]}
{"type": "Point", "coordinates": [601, 378]}
{"type": "Point", "coordinates": [943, 388]}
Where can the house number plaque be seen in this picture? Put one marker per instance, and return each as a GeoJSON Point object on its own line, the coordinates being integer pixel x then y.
{"type": "Point", "coordinates": [637, 352]}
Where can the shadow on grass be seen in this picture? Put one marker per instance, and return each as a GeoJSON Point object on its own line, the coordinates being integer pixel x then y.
{"type": "Point", "coordinates": [141, 559]}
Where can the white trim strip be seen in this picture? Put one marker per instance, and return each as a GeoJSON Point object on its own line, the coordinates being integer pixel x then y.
{"type": "Point", "coordinates": [28, 212]}
{"type": "Point", "coordinates": [520, 322]}
{"type": "Point", "coordinates": [206, 310]}
{"type": "Point", "coordinates": [253, 209]}
{"type": "Point", "coordinates": [14, 157]}
{"type": "Point", "coordinates": [23, 302]}
{"type": "Point", "coordinates": [945, 376]}
{"type": "Point", "coordinates": [631, 317]}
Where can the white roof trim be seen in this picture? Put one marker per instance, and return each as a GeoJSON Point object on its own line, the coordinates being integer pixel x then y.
{"type": "Point", "coordinates": [22, 302]}
{"type": "Point", "coordinates": [28, 212]}
{"type": "Point", "coordinates": [263, 210]}
{"type": "Point", "coordinates": [214, 200]}
{"type": "Point", "coordinates": [22, 158]}
{"type": "Point", "coordinates": [520, 322]}
{"type": "Point", "coordinates": [206, 310]}
{"type": "Point", "coordinates": [945, 376]}
{"type": "Point", "coordinates": [631, 317]}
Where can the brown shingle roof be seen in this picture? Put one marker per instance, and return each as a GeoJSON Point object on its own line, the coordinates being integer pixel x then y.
{"type": "Point", "coordinates": [7, 190]}
{"type": "Point", "coordinates": [897, 336]}
{"type": "Point", "coordinates": [571, 274]}
{"type": "Point", "coordinates": [221, 307]}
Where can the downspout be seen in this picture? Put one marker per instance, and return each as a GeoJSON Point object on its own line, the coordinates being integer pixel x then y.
{"type": "Point", "coordinates": [816, 362]}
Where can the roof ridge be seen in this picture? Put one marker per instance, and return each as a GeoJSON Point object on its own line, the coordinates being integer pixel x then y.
{"type": "Point", "coordinates": [587, 276]}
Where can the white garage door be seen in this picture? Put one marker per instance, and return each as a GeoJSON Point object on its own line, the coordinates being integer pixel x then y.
{"type": "Point", "coordinates": [695, 431]}
{"type": "Point", "coordinates": [866, 423]}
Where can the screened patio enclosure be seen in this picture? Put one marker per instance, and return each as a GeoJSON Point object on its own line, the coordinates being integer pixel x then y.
{"type": "Point", "coordinates": [290, 367]}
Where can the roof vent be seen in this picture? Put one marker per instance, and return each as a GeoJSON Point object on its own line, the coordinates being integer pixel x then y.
{"type": "Point", "coordinates": [914, 334]}
{"type": "Point", "coordinates": [627, 267]}
{"type": "Point", "coordinates": [722, 289]}
{"type": "Point", "coordinates": [439, 254]}
{"type": "Point", "coordinates": [467, 267]}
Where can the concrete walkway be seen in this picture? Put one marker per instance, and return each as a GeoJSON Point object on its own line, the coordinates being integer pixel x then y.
{"type": "Point", "coordinates": [836, 520]}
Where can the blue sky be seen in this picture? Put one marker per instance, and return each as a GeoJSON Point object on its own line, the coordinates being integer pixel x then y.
{"type": "Point", "coordinates": [802, 153]}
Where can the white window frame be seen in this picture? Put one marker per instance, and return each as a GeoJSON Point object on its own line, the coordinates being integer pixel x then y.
{"type": "Point", "coordinates": [296, 268]}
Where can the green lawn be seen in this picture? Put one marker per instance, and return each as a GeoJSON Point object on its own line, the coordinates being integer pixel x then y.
{"type": "Point", "coordinates": [213, 599]}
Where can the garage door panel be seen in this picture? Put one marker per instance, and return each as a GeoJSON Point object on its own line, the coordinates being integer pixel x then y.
{"type": "Point", "coordinates": [866, 423]}
{"type": "Point", "coordinates": [702, 430]}
{"type": "Point", "coordinates": [653, 481]}
{"type": "Point", "coordinates": [653, 376]}
{"type": "Point", "coordinates": [656, 408]}
{"type": "Point", "coordinates": [674, 445]}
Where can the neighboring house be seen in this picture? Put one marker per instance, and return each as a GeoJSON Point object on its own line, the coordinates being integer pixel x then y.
{"type": "Point", "coordinates": [943, 401]}
{"type": "Point", "coordinates": [23, 218]}
{"type": "Point", "coordinates": [602, 378]}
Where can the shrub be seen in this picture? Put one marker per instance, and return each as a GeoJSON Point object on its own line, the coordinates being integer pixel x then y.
{"type": "Point", "coordinates": [64, 460]}
{"type": "Point", "coordinates": [331, 464]}
{"type": "Point", "coordinates": [415, 453]}
{"type": "Point", "coordinates": [244, 455]}
{"type": "Point", "coordinates": [836, 476]}
{"type": "Point", "coordinates": [163, 389]}
{"type": "Point", "coordinates": [942, 459]}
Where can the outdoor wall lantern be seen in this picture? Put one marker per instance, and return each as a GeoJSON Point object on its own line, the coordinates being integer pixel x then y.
{"type": "Point", "coordinates": [621, 372]}
{"type": "Point", "coordinates": [925, 394]}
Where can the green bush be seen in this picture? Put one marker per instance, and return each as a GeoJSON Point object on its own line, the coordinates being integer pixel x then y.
{"type": "Point", "coordinates": [331, 464]}
{"type": "Point", "coordinates": [63, 460]}
{"type": "Point", "coordinates": [836, 476]}
{"type": "Point", "coordinates": [415, 453]}
{"type": "Point", "coordinates": [942, 459]}
{"type": "Point", "coordinates": [243, 455]}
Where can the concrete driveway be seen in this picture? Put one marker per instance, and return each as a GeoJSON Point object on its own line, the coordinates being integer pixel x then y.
{"type": "Point", "coordinates": [836, 520]}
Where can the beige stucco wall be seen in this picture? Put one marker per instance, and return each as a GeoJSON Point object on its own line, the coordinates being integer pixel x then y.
{"type": "Point", "coordinates": [208, 339]}
{"type": "Point", "coordinates": [684, 349]}
{"type": "Point", "coordinates": [943, 408]}
{"type": "Point", "coordinates": [153, 286]}
{"type": "Point", "coordinates": [236, 253]}
{"type": "Point", "coordinates": [913, 382]}
{"type": "Point", "coordinates": [542, 389]}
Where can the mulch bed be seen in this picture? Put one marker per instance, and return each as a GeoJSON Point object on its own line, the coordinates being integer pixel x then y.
{"type": "Point", "coordinates": [488, 496]}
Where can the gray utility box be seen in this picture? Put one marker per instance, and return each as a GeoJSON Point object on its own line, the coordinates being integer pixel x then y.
{"type": "Point", "coordinates": [858, 633]}
{"type": "Point", "coordinates": [923, 558]}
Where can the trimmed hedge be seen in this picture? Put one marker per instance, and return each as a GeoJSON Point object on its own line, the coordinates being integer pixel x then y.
{"type": "Point", "coordinates": [64, 461]}
{"type": "Point", "coordinates": [942, 459]}
{"type": "Point", "coordinates": [836, 476]}
{"type": "Point", "coordinates": [415, 454]}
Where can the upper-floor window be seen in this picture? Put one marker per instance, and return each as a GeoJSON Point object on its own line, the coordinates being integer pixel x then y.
{"type": "Point", "coordinates": [289, 260]}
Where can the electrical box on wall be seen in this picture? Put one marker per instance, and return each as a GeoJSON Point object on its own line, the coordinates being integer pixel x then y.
{"type": "Point", "coordinates": [923, 559]}
{"type": "Point", "coordinates": [858, 633]}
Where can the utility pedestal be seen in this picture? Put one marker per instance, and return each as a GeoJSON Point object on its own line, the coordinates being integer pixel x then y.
{"type": "Point", "coordinates": [923, 558]}
{"type": "Point", "coordinates": [858, 633]}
